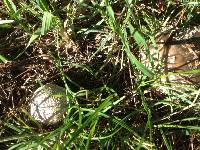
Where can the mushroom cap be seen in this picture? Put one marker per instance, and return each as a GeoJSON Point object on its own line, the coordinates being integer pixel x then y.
{"type": "Point", "coordinates": [177, 55]}
{"type": "Point", "coordinates": [48, 104]}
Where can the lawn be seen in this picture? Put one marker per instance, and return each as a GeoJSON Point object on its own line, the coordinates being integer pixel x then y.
{"type": "Point", "coordinates": [128, 72]}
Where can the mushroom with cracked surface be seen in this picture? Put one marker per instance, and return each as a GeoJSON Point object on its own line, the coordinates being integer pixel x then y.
{"type": "Point", "coordinates": [48, 104]}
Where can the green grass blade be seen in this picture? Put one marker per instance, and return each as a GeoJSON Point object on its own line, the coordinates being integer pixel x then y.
{"type": "Point", "coordinates": [18, 137]}
{"type": "Point", "coordinates": [6, 21]}
{"type": "Point", "coordinates": [137, 138]}
{"type": "Point", "coordinates": [11, 6]}
{"type": "Point", "coordinates": [91, 134]}
{"type": "Point", "coordinates": [178, 127]}
{"type": "Point", "coordinates": [13, 127]}
{"type": "Point", "coordinates": [133, 59]}
{"type": "Point", "coordinates": [149, 115]}
{"type": "Point", "coordinates": [121, 32]}
{"type": "Point", "coordinates": [34, 36]}
{"type": "Point", "coordinates": [167, 144]}
{"type": "Point", "coordinates": [3, 59]}
{"type": "Point", "coordinates": [46, 22]}
{"type": "Point", "coordinates": [90, 119]}
{"type": "Point", "coordinates": [102, 45]}
{"type": "Point", "coordinates": [43, 5]}
{"type": "Point", "coordinates": [12, 9]}
{"type": "Point", "coordinates": [111, 13]}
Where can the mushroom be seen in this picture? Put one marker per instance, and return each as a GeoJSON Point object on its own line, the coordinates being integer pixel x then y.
{"type": "Point", "coordinates": [177, 55]}
{"type": "Point", "coordinates": [48, 104]}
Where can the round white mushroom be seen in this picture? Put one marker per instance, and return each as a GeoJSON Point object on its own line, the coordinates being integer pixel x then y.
{"type": "Point", "coordinates": [48, 104]}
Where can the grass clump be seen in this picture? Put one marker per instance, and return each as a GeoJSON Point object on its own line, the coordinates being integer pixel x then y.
{"type": "Point", "coordinates": [94, 49]}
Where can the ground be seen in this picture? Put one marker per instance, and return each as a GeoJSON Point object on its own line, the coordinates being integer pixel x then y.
{"type": "Point", "coordinates": [94, 50]}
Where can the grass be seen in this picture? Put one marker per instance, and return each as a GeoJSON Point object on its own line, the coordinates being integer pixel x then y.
{"type": "Point", "coordinates": [93, 49]}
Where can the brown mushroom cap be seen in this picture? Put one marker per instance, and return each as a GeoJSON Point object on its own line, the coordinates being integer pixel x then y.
{"type": "Point", "coordinates": [177, 55]}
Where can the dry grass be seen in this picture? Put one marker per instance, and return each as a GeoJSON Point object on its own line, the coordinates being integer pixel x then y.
{"type": "Point", "coordinates": [92, 49]}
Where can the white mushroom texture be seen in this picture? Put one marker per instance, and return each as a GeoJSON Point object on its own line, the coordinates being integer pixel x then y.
{"type": "Point", "coordinates": [48, 104]}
